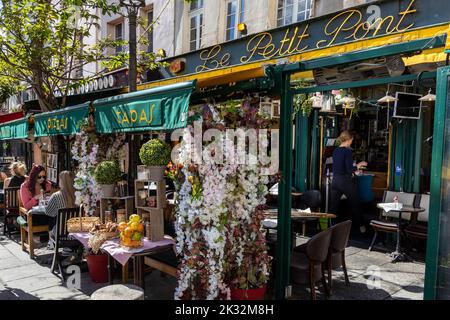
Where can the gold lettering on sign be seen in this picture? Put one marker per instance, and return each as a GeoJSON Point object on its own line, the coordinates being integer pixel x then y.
{"type": "Point", "coordinates": [350, 25]}
{"type": "Point", "coordinates": [351, 20]}
{"type": "Point", "coordinates": [263, 44]}
{"type": "Point", "coordinates": [212, 60]}
{"type": "Point", "coordinates": [345, 25]}
{"type": "Point", "coordinates": [132, 116]}
{"type": "Point", "coordinates": [57, 124]}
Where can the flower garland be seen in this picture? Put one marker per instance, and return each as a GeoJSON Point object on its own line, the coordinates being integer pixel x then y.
{"type": "Point", "coordinates": [84, 151]}
{"type": "Point", "coordinates": [220, 237]}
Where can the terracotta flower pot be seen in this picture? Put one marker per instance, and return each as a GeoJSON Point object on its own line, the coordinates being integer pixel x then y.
{"type": "Point", "coordinates": [248, 294]}
{"type": "Point", "coordinates": [98, 267]}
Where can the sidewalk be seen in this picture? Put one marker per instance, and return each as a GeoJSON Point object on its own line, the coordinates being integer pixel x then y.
{"type": "Point", "coordinates": [372, 277]}
{"type": "Point", "coordinates": [22, 278]}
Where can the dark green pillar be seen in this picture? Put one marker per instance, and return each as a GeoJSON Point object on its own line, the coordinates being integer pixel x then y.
{"type": "Point", "coordinates": [418, 154]}
{"type": "Point", "coordinates": [283, 259]}
{"type": "Point", "coordinates": [301, 152]}
{"type": "Point", "coordinates": [315, 150]}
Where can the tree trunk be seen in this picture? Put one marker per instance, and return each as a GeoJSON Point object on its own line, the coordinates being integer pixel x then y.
{"type": "Point", "coordinates": [132, 72]}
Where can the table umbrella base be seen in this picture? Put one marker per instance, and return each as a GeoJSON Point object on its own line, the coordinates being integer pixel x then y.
{"type": "Point", "coordinates": [399, 257]}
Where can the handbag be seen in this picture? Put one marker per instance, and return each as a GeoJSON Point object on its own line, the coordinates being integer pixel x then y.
{"type": "Point", "coordinates": [81, 224]}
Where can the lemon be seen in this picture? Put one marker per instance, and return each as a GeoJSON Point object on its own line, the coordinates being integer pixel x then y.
{"type": "Point", "coordinates": [134, 226]}
{"type": "Point", "coordinates": [135, 218]}
{"type": "Point", "coordinates": [136, 236]}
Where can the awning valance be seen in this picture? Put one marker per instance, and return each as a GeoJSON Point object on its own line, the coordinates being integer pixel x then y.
{"type": "Point", "coordinates": [163, 108]}
{"type": "Point", "coordinates": [65, 121]}
{"type": "Point", "coordinates": [17, 129]}
{"type": "Point", "coordinates": [11, 116]}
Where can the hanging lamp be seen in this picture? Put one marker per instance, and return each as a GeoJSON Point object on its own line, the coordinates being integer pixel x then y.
{"type": "Point", "coordinates": [428, 98]}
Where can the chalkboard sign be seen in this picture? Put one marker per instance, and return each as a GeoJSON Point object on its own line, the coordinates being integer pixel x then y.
{"type": "Point", "coordinates": [407, 106]}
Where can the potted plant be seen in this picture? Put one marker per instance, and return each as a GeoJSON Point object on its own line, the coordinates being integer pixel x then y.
{"type": "Point", "coordinates": [97, 265]}
{"type": "Point", "coordinates": [107, 174]}
{"type": "Point", "coordinates": [156, 155]}
{"type": "Point", "coordinates": [248, 279]}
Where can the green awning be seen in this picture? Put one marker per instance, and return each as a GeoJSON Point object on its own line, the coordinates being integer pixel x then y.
{"type": "Point", "coordinates": [65, 121]}
{"type": "Point", "coordinates": [17, 129]}
{"type": "Point", "coordinates": [163, 108]}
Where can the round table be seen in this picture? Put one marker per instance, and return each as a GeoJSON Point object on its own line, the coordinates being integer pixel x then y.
{"type": "Point", "coordinates": [398, 255]}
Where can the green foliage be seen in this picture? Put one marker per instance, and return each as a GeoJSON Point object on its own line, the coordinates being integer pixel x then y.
{"type": "Point", "coordinates": [155, 153]}
{"type": "Point", "coordinates": [107, 172]}
{"type": "Point", "coordinates": [302, 102]}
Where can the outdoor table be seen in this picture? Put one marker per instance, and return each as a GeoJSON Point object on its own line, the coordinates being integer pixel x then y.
{"type": "Point", "coordinates": [272, 214]}
{"type": "Point", "coordinates": [397, 255]}
{"type": "Point", "coordinates": [122, 255]}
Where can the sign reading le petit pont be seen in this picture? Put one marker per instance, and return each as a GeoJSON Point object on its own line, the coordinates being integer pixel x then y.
{"type": "Point", "coordinates": [354, 24]}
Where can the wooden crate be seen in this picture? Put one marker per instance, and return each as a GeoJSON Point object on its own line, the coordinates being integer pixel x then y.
{"type": "Point", "coordinates": [156, 223]}
{"type": "Point", "coordinates": [155, 215]}
{"type": "Point", "coordinates": [140, 186]}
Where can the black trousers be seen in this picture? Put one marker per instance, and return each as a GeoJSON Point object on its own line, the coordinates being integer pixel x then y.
{"type": "Point", "coordinates": [345, 185]}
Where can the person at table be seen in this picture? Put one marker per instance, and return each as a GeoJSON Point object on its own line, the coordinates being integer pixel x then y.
{"type": "Point", "coordinates": [18, 177]}
{"type": "Point", "coordinates": [64, 198]}
{"type": "Point", "coordinates": [31, 190]}
{"type": "Point", "coordinates": [343, 183]}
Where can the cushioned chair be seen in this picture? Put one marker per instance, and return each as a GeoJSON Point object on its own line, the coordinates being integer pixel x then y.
{"type": "Point", "coordinates": [307, 267]}
{"type": "Point", "coordinates": [418, 228]}
{"type": "Point", "coordinates": [338, 243]}
{"type": "Point", "coordinates": [11, 209]}
{"type": "Point", "coordinates": [387, 222]}
{"type": "Point", "coordinates": [61, 237]}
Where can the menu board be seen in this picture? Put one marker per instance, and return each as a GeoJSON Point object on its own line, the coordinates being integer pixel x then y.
{"type": "Point", "coordinates": [52, 167]}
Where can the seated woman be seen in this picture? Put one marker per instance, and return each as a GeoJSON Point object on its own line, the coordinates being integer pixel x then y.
{"type": "Point", "coordinates": [64, 198]}
{"type": "Point", "coordinates": [31, 189]}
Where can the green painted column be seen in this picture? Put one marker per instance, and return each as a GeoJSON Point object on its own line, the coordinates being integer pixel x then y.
{"type": "Point", "coordinates": [301, 152]}
{"type": "Point", "coordinates": [439, 135]}
{"type": "Point", "coordinates": [315, 150]}
{"type": "Point", "coordinates": [418, 154]}
{"type": "Point", "coordinates": [283, 247]}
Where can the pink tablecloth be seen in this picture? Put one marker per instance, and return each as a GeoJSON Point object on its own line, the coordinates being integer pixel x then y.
{"type": "Point", "coordinates": [119, 253]}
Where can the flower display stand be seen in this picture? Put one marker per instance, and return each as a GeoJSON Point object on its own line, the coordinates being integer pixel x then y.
{"type": "Point", "coordinates": [154, 214]}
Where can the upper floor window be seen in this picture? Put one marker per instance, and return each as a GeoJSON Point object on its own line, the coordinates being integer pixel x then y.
{"type": "Point", "coordinates": [291, 11]}
{"type": "Point", "coordinates": [195, 5]}
{"type": "Point", "coordinates": [118, 35]}
{"type": "Point", "coordinates": [196, 25]}
{"type": "Point", "coordinates": [235, 15]}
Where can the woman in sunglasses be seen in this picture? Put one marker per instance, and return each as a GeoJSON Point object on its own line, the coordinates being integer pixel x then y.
{"type": "Point", "coordinates": [31, 190]}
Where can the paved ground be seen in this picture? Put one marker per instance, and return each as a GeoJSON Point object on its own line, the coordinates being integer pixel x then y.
{"type": "Point", "coordinates": [372, 276]}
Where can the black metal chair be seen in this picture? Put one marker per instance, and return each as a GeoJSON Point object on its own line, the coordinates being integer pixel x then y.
{"type": "Point", "coordinates": [11, 209]}
{"type": "Point", "coordinates": [387, 221]}
{"type": "Point", "coordinates": [61, 237]}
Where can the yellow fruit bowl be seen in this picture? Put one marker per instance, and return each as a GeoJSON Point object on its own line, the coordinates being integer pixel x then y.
{"type": "Point", "coordinates": [131, 232]}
